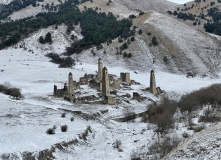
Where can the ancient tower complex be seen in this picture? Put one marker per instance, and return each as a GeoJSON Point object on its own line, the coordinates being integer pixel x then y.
{"type": "Point", "coordinates": [152, 83]}
{"type": "Point", "coordinates": [105, 83]}
{"type": "Point", "coordinates": [100, 69]}
{"type": "Point", "coordinates": [71, 92]}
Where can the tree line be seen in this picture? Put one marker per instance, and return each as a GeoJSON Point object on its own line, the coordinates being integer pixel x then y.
{"type": "Point", "coordinates": [215, 26]}
{"type": "Point", "coordinates": [15, 6]}
{"type": "Point", "coordinates": [96, 27]}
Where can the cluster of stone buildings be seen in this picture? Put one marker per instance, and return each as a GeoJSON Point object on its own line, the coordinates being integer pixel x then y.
{"type": "Point", "coordinates": [104, 83]}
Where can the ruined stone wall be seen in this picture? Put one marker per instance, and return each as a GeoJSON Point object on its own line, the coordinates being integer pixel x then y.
{"type": "Point", "coordinates": [95, 84]}
{"type": "Point", "coordinates": [125, 77]}
{"type": "Point", "coordinates": [109, 100]}
{"type": "Point", "coordinates": [115, 84]}
{"type": "Point", "coordinates": [60, 92]}
{"type": "Point", "coordinates": [83, 81]}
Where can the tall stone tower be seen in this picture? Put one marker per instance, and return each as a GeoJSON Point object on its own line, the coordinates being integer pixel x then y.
{"type": "Point", "coordinates": [70, 85]}
{"type": "Point", "coordinates": [105, 83]}
{"type": "Point", "coordinates": [100, 69]}
{"type": "Point", "coordinates": [152, 83]}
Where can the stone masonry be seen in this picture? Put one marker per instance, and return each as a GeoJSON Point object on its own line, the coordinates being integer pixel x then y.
{"type": "Point", "coordinates": [152, 83]}
{"type": "Point", "coordinates": [71, 88]}
{"type": "Point", "coordinates": [125, 77]}
{"type": "Point", "coordinates": [105, 83]}
{"type": "Point", "coordinates": [100, 69]}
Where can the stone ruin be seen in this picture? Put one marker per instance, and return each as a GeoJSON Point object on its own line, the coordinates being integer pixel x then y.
{"type": "Point", "coordinates": [104, 83]}
{"type": "Point", "coordinates": [153, 89]}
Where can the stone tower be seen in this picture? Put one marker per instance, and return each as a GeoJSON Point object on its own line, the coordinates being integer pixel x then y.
{"type": "Point", "coordinates": [105, 83]}
{"type": "Point", "coordinates": [152, 83]}
{"type": "Point", "coordinates": [100, 69]}
{"type": "Point", "coordinates": [70, 86]}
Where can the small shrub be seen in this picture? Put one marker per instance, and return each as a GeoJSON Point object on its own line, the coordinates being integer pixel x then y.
{"type": "Point", "coordinates": [135, 156]}
{"type": "Point", "coordinates": [54, 127]}
{"type": "Point", "coordinates": [165, 59]}
{"type": "Point", "coordinates": [185, 135]}
{"type": "Point", "coordinates": [141, 13]}
{"type": "Point", "coordinates": [129, 114]}
{"type": "Point", "coordinates": [199, 128]}
{"type": "Point", "coordinates": [140, 31]}
{"type": "Point", "coordinates": [164, 146]}
{"type": "Point", "coordinates": [16, 93]}
{"type": "Point", "coordinates": [72, 119]}
{"type": "Point", "coordinates": [162, 115]}
{"type": "Point", "coordinates": [144, 118]}
{"type": "Point", "coordinates": [117, 144]}
{"type": "Point", "coordinates": [132, 16]}
{"type": "Point", "coordinates": [125, 54]}
{"type": "Point", "coordinates": [50, 131]}
{"type": "Point", "coordinates": [120, 40]}
{"type": "Point", "coordinates": [63, 115]}
{"type": "Point", "coordinates": [47, 38]}
{"type": "Point", "coordinates": [132, 39]}
{"type": "Point", "coordinates": [129, 55]}
{"type": "Point", "coordinates": [64, 128]}
{"type": "Point", "coordinates": [63, 62]}
{"type": "Point", "coordinates": [125, 46]}
{"type": "Point", "coordinates": [154, 41]}
{"type": "Point", "coordinates": [11, 91]}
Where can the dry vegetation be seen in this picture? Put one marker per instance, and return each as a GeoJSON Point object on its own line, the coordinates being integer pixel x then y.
{"type": "Point", "coordinates": [13, 92]}
{"type": "Point", "coordinates": [197, 99]}
{"type": "Point", "coordinates": [162, 115]}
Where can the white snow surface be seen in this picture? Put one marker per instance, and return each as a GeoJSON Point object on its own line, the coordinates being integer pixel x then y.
{"type": "Point", "coordinates": [202, 145]}
{"type": "Point", "coordinates": [24, 123]}
{"type": "Point", "coordinates": [30, 10]}
{"type": "Point", "coordinates": [199, 50]}
{"type": "Point", "coordinates": [5, 1]}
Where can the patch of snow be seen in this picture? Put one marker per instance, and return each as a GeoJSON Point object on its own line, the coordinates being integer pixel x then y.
{"type": "Point", "coordinates": [199, 50]}
{"type": "Point", "coordinates": [5, 1]}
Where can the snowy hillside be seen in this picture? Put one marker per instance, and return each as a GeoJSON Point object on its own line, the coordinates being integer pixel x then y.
{"type": "Point", "coordinates": [5, 1]}
{"type": "Point", "coordinates": [24, 65]}
{"type": "Point", "coordinates": [148, 5]}
{"type": "Point", "coordinates": [189, 49]}
{"type": "Point", "coordinates": [202, 145]}
{"type": "Point", "coordinates": [32, 11]}
{"type": "Point", "coordinates": [29, 70]}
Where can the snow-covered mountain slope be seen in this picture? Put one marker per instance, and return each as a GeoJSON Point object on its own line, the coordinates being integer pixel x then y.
{"type": "Point", "coordinates": [32, 11]}
{"type": "Point", "coordinates": [187, 49]}
{"type": "Point", "coordinates": [148, 5]}
{"type": "Point", "coordinates": [5, 1]}
{"type": "Point", "coordinates": [28, 69]}
{"type": "Point", "coordinates": [203, 145]}
{"type": "Point", "coordinates": [198, 8]}
{"type": "Point", "coordinates": [182, 48]}
{"type": "Point", "coordinates": [119, 10]}
{"type": "Point", "coordinates": [25, 66]}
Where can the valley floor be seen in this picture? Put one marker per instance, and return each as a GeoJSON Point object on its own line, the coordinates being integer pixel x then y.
{"type": "Point", "coordinates": [24, 122]}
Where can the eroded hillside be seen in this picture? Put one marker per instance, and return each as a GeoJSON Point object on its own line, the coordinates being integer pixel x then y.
{"type": "Point", "coordinates": [202, 145]}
